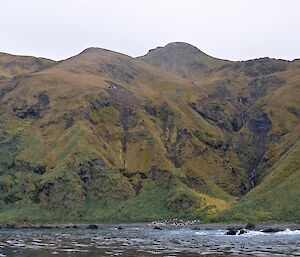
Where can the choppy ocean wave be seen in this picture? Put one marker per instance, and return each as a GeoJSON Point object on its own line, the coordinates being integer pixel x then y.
{"type": "Point", "coordinates": [288, 232]}
{"type": "Point", "coordinates": [146, 242]}
{"type": "Point", "coordinates": [248, 233]}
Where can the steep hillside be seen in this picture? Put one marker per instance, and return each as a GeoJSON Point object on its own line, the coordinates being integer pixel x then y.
{"type": "Point", "coordinates": [258, 108]}
{"type": "Point", "coordinates": [277, 197]}
{"type": "Point", "coordinates": [104, 137]}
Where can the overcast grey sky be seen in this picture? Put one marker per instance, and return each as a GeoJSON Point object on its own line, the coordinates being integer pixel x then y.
{"type": "Point", "coordinates": [229, 29]}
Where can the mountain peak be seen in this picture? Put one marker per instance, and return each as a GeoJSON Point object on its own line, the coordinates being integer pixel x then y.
{"type": "Point", "coordinates": [182, 58]}
{"type": "Point", "coordinates": [183, 46]}
{"type": "Point", "coordinates": [102, 51]}
{"type": "Point", "coordinates": [92, 58]}
{"type": "Point", "coordinates": [177, 48]}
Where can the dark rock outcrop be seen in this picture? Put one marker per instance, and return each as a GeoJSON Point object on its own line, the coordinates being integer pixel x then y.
{"type": "Point", "coordinates": [237, 123]}
{"type": "Point", "coordinates": [260, 125]}
{"type": "Point", "coordinates": [271, 230]}
{"type": "Point", "coordinates": [33, 111]}
{"type": "Point", "coordinates": [232, 231]}
{"type": "Point", "coordinates": [295, 111]}
{"type": "Point", "coordinates": [92, 226]}
{"type": "Point", "coordinates": [250, 226]}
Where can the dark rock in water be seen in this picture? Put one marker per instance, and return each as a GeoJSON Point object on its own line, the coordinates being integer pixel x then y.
{"type": "Point", "coordinates": [242, 231]}
{"type": "Point", "coordinates": [157, 227]}
{"type": "Point", "coordinates": [271, 230]}
{"type": "Point", "coordinates": [250, 226]}
{"type": "Point", "coordinates": [92, 226]}
{"type": "Point", "coordinates": [232, 231]}
{"type": "Point", "coordinates": [119, 228]}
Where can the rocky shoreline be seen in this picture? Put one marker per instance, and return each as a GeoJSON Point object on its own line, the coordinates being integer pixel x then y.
{"type": "Point", "coordinates": [267, 227]}
{"type": "Point", "coordinates": [189, 238]}
{"type": "Point", "coordinates": [231, 229]}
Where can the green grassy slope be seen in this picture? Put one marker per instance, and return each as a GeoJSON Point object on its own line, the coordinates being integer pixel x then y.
{"type": "Point", "coordinates": [261, 99]}
{"type": "Point", "coordinates": [103, 137]}
{"type": "Point", "coordinates": [277, 197]}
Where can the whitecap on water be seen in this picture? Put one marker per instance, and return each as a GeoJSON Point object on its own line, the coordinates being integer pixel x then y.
{"type": "Point", "coordinates": [15, 243]}
{"type": "Point", "coordinates": [201, 233]}
{"type": "Point", "coordinates": [254, 233]}
{"type": "Point", "coordinates": [80, 245]}
{"type": "Point", "coordinates": [288, 232]}
{"type": "Point", "coordinates": [220, 232]}
{"type": "Point", "coordinates": [210, 232]}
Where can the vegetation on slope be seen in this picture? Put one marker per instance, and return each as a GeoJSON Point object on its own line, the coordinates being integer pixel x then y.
{"type": "Point", "coordinates": [276, 198]}
{"type": "Point", "coordinates": [103, 137]}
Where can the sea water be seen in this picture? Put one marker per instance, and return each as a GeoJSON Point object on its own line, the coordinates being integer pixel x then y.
{"type": "Point", "coordinates": [146, 241]}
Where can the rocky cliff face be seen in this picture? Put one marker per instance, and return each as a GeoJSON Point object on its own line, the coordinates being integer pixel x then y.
{"type": "Point", "coordinates": [176, 133]}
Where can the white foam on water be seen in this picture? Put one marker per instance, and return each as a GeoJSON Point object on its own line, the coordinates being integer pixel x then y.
{"type": "Point", "coordinates": [15, 243]}
{"type": "Point", "coordinates": [218, 232]}
{"type": "Point", "coordinates": [250, 233]}
{"type": "Point", "coordinates": [254, 233]}
{"type": "Point", "coordinates": [81, 245]}
{"type": "Point", "coordinates": [288, 232]}
{"type": "Point", "coordinates": [37, 240]}
{"type": "Point", "coordinates": [201, 233]}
